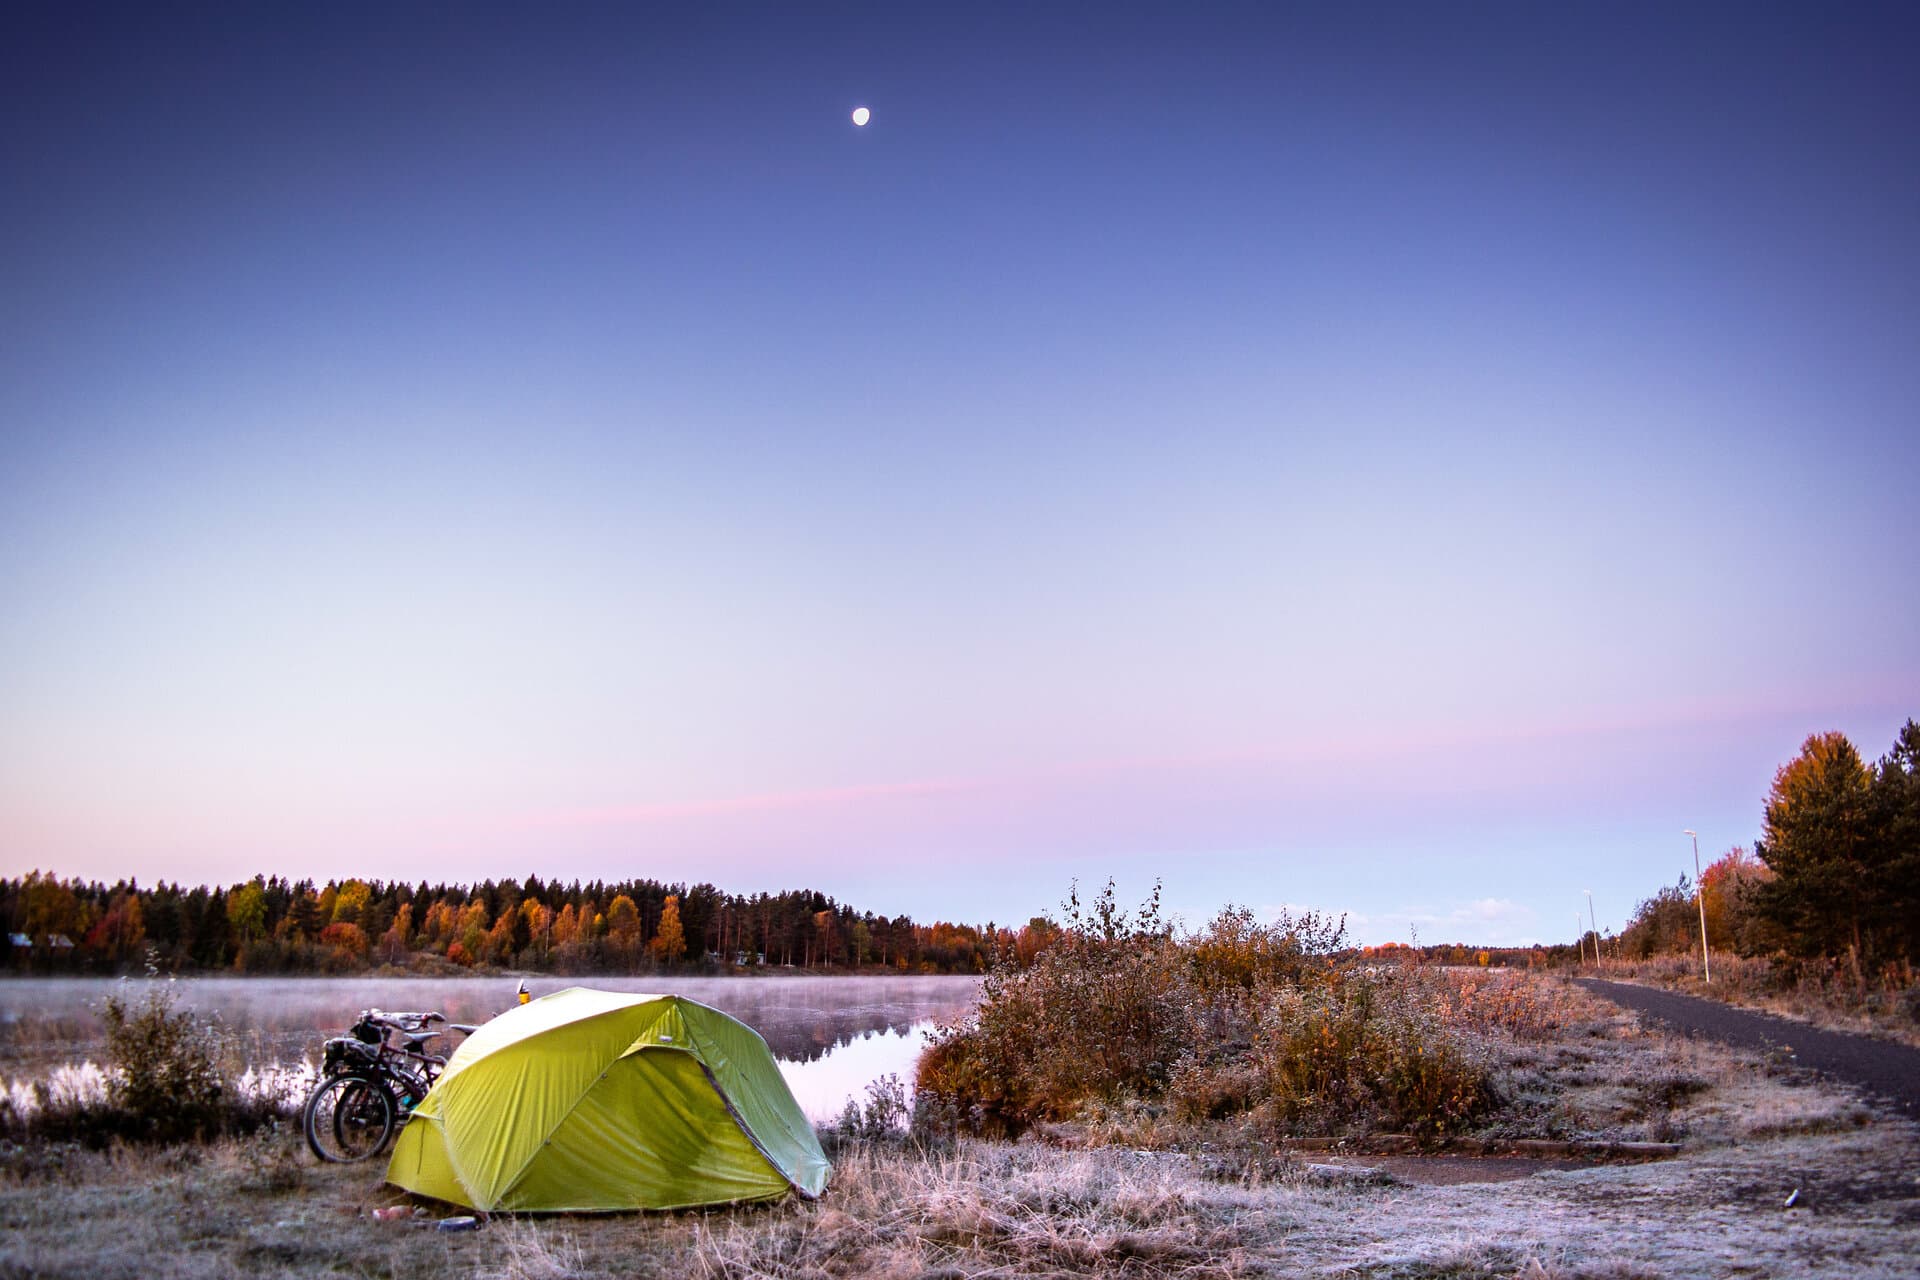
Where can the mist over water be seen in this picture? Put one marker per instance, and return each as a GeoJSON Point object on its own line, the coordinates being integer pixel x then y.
{"type": "Point", "coordinates": [832, 1036]}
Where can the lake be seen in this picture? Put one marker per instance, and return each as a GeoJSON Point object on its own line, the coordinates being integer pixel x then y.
{"type": "Point", "coordinates": [832, 1036]}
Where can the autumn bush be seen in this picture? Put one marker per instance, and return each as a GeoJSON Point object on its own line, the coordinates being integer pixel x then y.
{"type": "Point", "coordinates": [1218, 1087]}
{"type": "Point", "coordinates": [1107, 1009]}
{"type": "Point", "coordinates": [1279, 1022]}
{"type": "Point", "coordinates": [1239, 1017]}
{"type": "Point", "coordinates": [1375, 1049]}
{"type": "Point", "coordinates": [164, 1075]}
{"type": "Point", "coordinates": [1504, 1005]}
{"type": "Point", "coordinates": [1237, 963]}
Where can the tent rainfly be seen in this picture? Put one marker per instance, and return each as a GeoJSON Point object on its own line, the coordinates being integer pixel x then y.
{"type": "Point", "coordinates": [586, 1101]}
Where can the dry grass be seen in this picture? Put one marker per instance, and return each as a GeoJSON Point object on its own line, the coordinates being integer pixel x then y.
{"type": "Point", "coordinates": [1608, 1077]}
{"type": "Point", "coordinates": [1020, 1209]}
{"type": "Point", "coordinates": [1030, 1210]}
{"type": "Point", "coordinates": [1211, 1201]}
{"type": "Point", "coordinates": [985, 1209]}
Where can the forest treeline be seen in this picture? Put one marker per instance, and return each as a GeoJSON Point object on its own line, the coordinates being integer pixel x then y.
{"type": "Point", "coordinates": [271, 925]}
{"type": "Point", "coordinates": [1834, 878]}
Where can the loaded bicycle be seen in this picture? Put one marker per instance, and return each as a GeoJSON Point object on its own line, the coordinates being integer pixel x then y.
{"type": "Point", "coordinates": [370, 1080]}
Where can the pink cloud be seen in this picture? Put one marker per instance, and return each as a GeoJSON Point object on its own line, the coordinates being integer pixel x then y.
{"type": "Point", "coordinates": [1303, 787]}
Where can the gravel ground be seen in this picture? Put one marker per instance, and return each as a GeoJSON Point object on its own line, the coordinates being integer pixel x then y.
{"type": "Point", "coordinates": [1890, 1070]}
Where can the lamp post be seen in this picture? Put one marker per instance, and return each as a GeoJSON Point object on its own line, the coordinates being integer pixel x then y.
{"type": "Point", "coordinates": [1700, 896]}
{"type": "Point", "coordinates": [1596, 927]}
{"type": "Point", "coordinates": [1580, 935]}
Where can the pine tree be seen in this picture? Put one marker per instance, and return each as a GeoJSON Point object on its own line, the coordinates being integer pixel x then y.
{"type": "Point", "coordinates": [1819, 844]}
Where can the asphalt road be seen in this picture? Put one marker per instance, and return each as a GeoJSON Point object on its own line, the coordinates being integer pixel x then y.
{"type": "Point", "coordinates": [1890, 1070]}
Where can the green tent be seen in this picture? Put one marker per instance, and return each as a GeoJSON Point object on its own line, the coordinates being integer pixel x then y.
{"type": "Point", "coordinates": [595, 1100]}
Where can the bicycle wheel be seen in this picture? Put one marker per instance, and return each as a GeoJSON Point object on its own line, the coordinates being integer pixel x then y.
{"type": "Point", "coordinates": [348, 1118]}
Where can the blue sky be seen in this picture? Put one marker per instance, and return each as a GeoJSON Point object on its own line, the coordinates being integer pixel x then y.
{"type": "Point", "coordinates": [1405, 460]}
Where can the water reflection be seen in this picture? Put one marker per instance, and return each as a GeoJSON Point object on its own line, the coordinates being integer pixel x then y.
{"type": "Point", "coordinates": [823, 1085]}
{"type": "Point", "coordinates": [833, 1036]}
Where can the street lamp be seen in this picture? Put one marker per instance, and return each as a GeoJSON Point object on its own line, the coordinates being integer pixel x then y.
{"type": "Point", "coordinates": [1596, 925]}
{"type": "Point", "coordinates": [1580, 933]}
{"type": "Point", "coordinates": [1700, 896]}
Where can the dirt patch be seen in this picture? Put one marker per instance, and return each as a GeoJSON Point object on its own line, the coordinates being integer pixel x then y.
{"type": "Point", "coordinates": [1453, 1171]}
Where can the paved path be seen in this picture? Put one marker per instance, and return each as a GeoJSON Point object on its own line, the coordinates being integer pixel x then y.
{"type": "Point", "coordinates": [1891, 1070]}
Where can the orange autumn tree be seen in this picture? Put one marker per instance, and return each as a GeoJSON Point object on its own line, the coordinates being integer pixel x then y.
{"type": "Point", "coordinates": [623, 925]}
{"type": "Point", "coordinates": [1729, 884]}
{"type": "Point", "coordinates": [670, 943]}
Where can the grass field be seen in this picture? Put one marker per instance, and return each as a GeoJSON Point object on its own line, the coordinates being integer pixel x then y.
{"type": "Point", "coordinates": [1122, 1193]}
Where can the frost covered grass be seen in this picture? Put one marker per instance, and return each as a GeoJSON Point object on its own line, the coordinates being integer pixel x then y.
{"type": "Point", "coordinates": [257, 1206]}
{"type": "Point", "coordinates": [1135, 1194]}
{"type": "Point", "coordinates": [1127, 1184]}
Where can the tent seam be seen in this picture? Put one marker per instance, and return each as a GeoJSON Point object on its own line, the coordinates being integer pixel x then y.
{"type": "Point", "coordinates": [740, 1122]}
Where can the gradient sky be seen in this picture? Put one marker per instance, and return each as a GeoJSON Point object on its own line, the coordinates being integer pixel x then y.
{"type": "Point", "coordinates": [1404, 460]}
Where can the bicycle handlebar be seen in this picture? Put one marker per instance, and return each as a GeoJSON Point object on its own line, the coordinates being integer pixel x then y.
{"type": "Point", "coordinates": [399, 1021]}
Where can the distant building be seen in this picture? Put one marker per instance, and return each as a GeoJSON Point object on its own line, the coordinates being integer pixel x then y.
{"type": "Point", "coordinates": [57, 944]}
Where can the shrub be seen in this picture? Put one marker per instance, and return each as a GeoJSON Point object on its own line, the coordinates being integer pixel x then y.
{"type": "Point", "coordinates": [1370, 1050]}
{"type": "Point", "coordinates": [1105, 1010]}
{"type": "Point", "coordinates": [1237, 1017]}
{"type": "Point", "coordinates": [957, 1077]}
{"type": "Point", "coordinates": [1236, 952]}
{"type": "Point", "coordinates": [1236, 961]}
{"type": "Point", "coordinates": [1502, 1004]}
{"type": "Point", "coordinates": [1200, 1090]}
{"type": "Point", "coordinates": [164, 1076]}
{"type": "Point", "coordinates": [882, 1118]}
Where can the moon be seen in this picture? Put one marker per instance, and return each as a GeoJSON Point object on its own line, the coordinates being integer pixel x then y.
{"type": "Point", "coordinates": [861, 115]}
